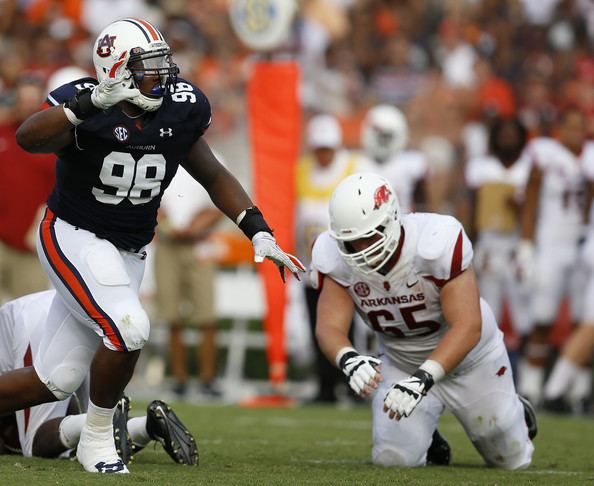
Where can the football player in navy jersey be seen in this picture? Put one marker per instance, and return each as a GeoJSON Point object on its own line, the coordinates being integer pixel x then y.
{"type": "Point", "coordinates": [119, 141]}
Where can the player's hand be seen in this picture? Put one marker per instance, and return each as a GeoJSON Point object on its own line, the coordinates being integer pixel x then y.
{"type": "Point", "coordinates": [265, 246]}
{"type": "Point", "coordinates": [119, 86]}
{"type": "Point", "coordinates": [403, 397]}
{"type": "Point", "coordinates": [362, 372]}
{"type": "Point", "coordinates": [525, 265]}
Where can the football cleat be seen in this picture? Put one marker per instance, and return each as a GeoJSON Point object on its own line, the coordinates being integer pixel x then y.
{"type": "Point", "coordinates": [529, 417]}
{"type": "Point", "coordinates": [96, 453]}
{"type": "Point", "coordinates": [164, 426]}
{"type": "Point", "coordinates": [439, 452]}
{"type": "Point", "coordinates": [123, 442]}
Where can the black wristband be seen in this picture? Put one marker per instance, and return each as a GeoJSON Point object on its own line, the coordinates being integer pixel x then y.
{"type": "Point", "coordinates": [253, 222]}
{"type": "Point", "coordinates": [81, 105]}
{"type": "Point", "coordinates": [426, 379]}
{"type": "Point", "coordinates": [345, 357]}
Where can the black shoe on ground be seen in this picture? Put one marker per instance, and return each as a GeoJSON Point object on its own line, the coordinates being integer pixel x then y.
{"type": "Point", "coordinates": [209, 390]}
{"type": "Point", "coordinates": [529, 417]}
{"type": "Point", "coordinates": [180, 389]}
{"type": "Point", "coordinates": [557, 405]}
{"type": "Point", "coordinates": [121, 436]}
{"type": "Point", "coordinates": [439, 452]}
{"type": "Point", "coordinates": [165, 427]}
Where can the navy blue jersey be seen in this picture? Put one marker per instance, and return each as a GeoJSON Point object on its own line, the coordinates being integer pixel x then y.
{"type": "Point", "coordinates": [111, 178]}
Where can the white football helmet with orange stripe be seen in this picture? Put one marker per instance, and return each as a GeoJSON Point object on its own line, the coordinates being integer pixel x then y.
{"type": "Point", "coordinates": [148, 53]}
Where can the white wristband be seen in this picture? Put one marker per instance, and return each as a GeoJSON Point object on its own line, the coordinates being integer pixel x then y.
{"type": "Point", "coordinates": [240, 217]}
{"type": "Point", "coordinates": [71, 116]}
{"type": "Point", "coordinates": [341, 353]}
{"type": "Point", "coordinates": [434, 368]}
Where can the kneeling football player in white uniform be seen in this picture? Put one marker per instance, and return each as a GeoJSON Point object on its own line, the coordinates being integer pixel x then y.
{"type": "Point", "coordinates": [53, 429]}
{"type": "Point", "coordinates": [410, 278]}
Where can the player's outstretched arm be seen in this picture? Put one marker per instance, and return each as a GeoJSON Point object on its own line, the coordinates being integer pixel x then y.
{"type": "Point", "coordinates": [334, 315]}
{"type": "Point", "coordinates": [229, 196]}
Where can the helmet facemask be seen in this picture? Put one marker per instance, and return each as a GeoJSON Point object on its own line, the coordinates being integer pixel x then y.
{"type": "Point", "coordinates": [158, 64]}
{"type": "Point", "coordinates": [384, 141]}
{"type": "Point", "coordinates": [377, 254]}
{"type": "Point", "coordinates": [384, 132]}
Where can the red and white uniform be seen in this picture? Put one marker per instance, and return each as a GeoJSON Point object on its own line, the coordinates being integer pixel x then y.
{"type": "Point", "coordinates": [588, 249]}
{"type": "Point", "coordinates": [494, 250]}
{"type": "Point", "coordinates": [404, 171]}
{"type": "Point", "coordinates": [27, 340]}
{"type": "Point", "coordinates": [559, 227]}
{"type": "Point", "coordinates": [408, 320]}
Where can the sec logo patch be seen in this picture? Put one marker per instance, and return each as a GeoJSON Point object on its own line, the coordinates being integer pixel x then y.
{"type": "Point", "coordinates": [121, 133]}
{"type": "Point", "coordinates": [362, 289]}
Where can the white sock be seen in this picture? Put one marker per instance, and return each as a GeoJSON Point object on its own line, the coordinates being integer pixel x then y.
{"type": "Point", "coordinates": [69, 429]}
{"type": "Point", "coordinates": [138, 432]}
{"type": "Point", "coordinates": [562, 376]}
{"type": "Point", "coordinates": [531, 379]}
{"type": "Point", "coordinates": [582, 386]}
{"type": "Point", "coordinates": [100, 420]}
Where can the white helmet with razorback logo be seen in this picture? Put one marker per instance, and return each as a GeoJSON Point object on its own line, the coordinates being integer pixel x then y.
{"type": "Point", "coordinates": [384, 132]}
{"type": "Point", "coordinates": [149, 55]}
{"type": "Point", "coordinates": [364, 205]}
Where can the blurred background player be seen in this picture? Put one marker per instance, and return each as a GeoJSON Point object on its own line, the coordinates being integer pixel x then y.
{"type": "Point", "coordinates": [185, 283]}
{"type": "Point", "coordinates": [569, 386]}
{"type": "Point", "coordinates": [496, 183]}
{"type": "Point", "coordinates": [53, 429]}
{"type": "Point", "coordinates": [319, 171]}
{"type": "Point", "coordinates": [26, 181]}
{"type": "Point", "coordinates": [553, 224]}
{"type": "Point", "coordinates": [384, 138]}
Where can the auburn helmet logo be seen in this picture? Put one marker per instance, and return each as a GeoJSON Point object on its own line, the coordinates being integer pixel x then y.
{"type": "Point", "coordinates": [381, 196]}
{"type": "Point", "coordinates": [104, 45]}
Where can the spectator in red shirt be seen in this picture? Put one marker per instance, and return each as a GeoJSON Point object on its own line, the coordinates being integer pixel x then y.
{"type": "Point", "coordinates": [25, 183]}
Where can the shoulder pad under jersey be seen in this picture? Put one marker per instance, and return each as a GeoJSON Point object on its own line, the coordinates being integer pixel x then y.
{"type": "Point", "coordinates": [66, 91]}
{"type": "Point", "coordinates": [326, 259]}
{"type": "Point", "coordinates": [443, 247]}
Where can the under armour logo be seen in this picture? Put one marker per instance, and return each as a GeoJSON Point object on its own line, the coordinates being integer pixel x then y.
{"type": "Point", "coordinates": [168, 132]}
{"type": "Point", "coordinates": [109, 467]}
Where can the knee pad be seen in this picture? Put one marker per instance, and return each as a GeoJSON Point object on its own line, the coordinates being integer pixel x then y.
{"type": "Point", "coordinates": [134, 328]}
{"type": "Point", "coordinates": [65, 378]}
{"type": "Point", "coordinates": [390, 457]}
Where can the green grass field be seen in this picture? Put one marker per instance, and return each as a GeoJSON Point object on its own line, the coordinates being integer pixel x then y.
{"type": "Point", "coordinates": [317, 446]}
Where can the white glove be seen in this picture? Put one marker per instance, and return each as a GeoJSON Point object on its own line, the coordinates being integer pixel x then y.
{"type": "Point", "coordinates": [265, 247]}
{"type": "Point", "coordinates": [525, 265]}
{"type": "Point", "coordinates": [404, 396]}
{"type": "Point", "coordinates": [119, 86]}
{"type": "Point", "coordinates": [362, 372]}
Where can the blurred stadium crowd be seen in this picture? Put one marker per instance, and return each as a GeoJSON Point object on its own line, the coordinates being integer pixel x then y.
{"type": "Point", "coordinates": [465, 59]}
{"type": "Point", "coordinates": [451, 66]}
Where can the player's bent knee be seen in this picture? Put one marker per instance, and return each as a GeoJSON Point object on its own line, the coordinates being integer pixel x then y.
{"type": "Point", "coordinates": [67, 376]}
{"type": "Point", "coordinates": [520, 460]}
{"type": "Point", "coordinates": [391, 457]}
{"type": "Point", "coordinates": [134, 327]}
